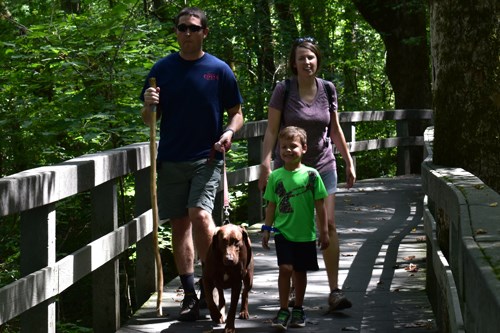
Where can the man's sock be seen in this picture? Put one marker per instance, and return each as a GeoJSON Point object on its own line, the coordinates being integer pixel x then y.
{"type": "Point", "coordinates": [187, 281]}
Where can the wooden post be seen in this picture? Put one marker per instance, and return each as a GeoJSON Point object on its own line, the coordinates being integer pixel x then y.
{"type": "Point", "coordinates": [105, 280]}
{"type": "Point", "coordinates": [349, 130]}
{"type": "Point", "coordinates": [403, 155]}
{"type": "Point", "coordinates": [255, 202]}
{"type": "Point", "coordinates": [145, 282]}
{"type": "Point", "coordinates": [38, 249]}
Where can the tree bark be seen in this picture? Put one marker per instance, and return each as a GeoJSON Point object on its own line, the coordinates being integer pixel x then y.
{"type": "Point", "coordinates": [465, 43]}
{"type": "Point", "coordinates": [265, 54]}
{"type": "Point", "coordinates": [402, 26]}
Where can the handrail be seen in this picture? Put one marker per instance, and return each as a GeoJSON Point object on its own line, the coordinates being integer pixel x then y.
{"type": "Point", "coordinates": [461, 224]}
{"type": "Point", "coordinates": [34, 193]}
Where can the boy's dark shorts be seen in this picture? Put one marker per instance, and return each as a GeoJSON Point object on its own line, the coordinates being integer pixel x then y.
{"type": "Point", "coordinates": [183, 185]}
{"type": "Point", "coordinates": [301, 255]}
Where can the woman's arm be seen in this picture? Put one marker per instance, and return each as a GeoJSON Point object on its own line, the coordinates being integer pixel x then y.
{"type": "Point", "coordinates": [338, 138]}
{"type": "Point", "coordinates": [270, 138]}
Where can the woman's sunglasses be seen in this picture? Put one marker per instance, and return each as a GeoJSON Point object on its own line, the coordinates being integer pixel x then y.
{"type": "Point", "coordinates": [301, 40]}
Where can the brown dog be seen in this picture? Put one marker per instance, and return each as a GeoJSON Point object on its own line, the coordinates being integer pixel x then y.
{"type": "Point", "coordinates": [229, 264]}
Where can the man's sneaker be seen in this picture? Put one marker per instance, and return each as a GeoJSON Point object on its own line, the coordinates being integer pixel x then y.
{"type": "Point", "coordinates": [338, 301]}
{"type": "Point", "coordinates": [190, 309]}
{"type": "Point", "coordinates": [298, 318]}
{"type": "Point", "coordinates": [291, 298]}
{"type": "Point", "coordinates": [281, 320]}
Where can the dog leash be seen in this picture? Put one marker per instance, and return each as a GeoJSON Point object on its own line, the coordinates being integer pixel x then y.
{"type": "Point", "coordinates": [226, 207]}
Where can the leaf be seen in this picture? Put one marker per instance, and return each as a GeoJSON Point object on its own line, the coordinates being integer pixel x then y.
{"type": "Point", "coordinates": [481, 232]}
{"type": "Point", "coordinates": [494, 204]}
{"type": "Point", "coordinates": [411, 268]}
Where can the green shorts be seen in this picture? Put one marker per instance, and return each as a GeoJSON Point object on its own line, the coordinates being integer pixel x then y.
{"type": "Point", "coordinates": [183, 185]}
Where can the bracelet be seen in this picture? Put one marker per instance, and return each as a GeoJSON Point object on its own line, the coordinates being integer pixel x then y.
{"type": "Point", "coordinates": [228, 130]}
{"type": "Point", "coordinates": [268, 228]}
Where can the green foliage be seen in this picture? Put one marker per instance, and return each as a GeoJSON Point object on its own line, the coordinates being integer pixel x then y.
{"type": "Point", "coordinates": [72, 328]}
{"type": "Point", "coordinates": [9, 240]}
{"type": "Point", "coordinates": [71, 84]}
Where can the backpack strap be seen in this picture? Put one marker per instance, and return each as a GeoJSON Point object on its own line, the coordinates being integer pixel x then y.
{"type": "Point", "coordinates": [285, 100]}
{"type": "Point", "coordinates": [329, 94]}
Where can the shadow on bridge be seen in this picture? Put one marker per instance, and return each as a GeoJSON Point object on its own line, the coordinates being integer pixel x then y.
{"type": "Point", "coordinates": [382, 271]}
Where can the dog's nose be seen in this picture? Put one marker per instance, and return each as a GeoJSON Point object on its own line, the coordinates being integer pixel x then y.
{"type": "Point", "coordinates": [229, 259]}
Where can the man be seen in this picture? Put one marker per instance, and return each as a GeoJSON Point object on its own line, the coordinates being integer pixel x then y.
{"type": "Point", "coordinates": [194, 90]}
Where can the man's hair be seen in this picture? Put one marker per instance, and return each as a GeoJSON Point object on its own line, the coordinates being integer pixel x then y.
{"type": "Point", "coordinates": [192, 11]}
{"type": "Point", "coordinates": [292, 132]}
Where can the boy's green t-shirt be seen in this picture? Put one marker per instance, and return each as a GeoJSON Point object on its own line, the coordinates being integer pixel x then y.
{"type": "Point", "coordinates": [294, 193]}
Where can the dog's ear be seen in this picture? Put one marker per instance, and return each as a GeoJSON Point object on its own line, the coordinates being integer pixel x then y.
{"type": "Point", "coordinates": [248, 245]}
{"type": "Point", "coordinates": [215, 239]}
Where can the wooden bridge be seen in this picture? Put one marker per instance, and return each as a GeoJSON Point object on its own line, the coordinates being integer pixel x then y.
{"type": "Point", "coordinates": [33, 194]}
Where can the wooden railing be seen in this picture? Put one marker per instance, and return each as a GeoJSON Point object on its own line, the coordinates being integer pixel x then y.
{"type": "Point", "coordinates": [34, 194]}
{"type": "Point", "coordinates": [461, 219]}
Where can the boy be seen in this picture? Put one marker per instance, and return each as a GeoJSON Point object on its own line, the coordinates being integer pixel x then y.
{"type": "Point", "coordinates": [293, 192]}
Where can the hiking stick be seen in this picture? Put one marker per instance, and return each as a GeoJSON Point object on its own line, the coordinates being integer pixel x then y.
{"type": "Point", "coordinates": [154, 203]}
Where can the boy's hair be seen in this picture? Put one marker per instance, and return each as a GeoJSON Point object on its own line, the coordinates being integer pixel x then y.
{"type": "Point", "coordinates": [292, 132]}
{"type": "Point", "coordinates": [192, 11]}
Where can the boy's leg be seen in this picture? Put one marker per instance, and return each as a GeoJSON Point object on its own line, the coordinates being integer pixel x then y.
{"type": "Point", "coordinates": [298, 315]}
{"type": "Point", "coordinates": [285, 274]}
{"type": "Point", "coordinates": [300, 287]}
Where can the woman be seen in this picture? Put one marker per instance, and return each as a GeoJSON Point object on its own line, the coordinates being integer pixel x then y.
{"type": "Point", "coordinates": [305, 103]}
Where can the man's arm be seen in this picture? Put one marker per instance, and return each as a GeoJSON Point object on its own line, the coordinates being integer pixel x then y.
{"type": "Point", "coordinates": [151, 97]}
{"type": "Point", "coordinates": [235, 118]}
{"type": "Point", "coordinates": [235, 122]}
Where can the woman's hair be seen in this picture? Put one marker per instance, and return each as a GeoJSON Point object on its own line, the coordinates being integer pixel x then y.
{"type": "Point", "coordinates": [192, 11]}
{"type": "Point", "coordinates": [307, 43]}
{"type": "Point", "coordinates": [292, 132]}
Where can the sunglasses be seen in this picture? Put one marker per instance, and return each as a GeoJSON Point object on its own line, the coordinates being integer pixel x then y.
{"type": "Point", "coordinates": [301, 40]}
{"type": "Point", "coordinates": [192, 28]}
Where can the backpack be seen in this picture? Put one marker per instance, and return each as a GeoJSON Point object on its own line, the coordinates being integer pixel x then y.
{"type": "Point", "coordinates": [329, 94]}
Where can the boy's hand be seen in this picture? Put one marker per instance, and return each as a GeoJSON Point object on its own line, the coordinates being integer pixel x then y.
{"type": "Point", "coordinates": [265, 239]}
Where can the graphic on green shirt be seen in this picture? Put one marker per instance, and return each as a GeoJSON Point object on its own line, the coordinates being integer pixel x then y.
{"type": "Point", "coordinates": [285, 206]}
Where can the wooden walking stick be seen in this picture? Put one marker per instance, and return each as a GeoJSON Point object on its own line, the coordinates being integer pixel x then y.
{"type": "Point", "coordinates": [154, 203]}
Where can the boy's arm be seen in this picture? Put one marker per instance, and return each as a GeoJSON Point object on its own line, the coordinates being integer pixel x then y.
{"type": "Point", "coordinates": [270, 209]}
{"type": "Point", "coordinates": [322, 224]}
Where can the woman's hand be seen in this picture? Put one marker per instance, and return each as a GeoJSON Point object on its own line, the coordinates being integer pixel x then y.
{"type": "Point", "coordinates": [265, 171]}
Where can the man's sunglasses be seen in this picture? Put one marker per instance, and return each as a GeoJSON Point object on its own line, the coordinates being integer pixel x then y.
{"type": "Point", "coordinates": [192, 28]}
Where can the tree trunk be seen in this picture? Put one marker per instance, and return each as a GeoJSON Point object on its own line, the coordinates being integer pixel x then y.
{"type": "Point", "coordinates": [287, 26]}
{"type": "Point", "coordinates": [402, 26]}
{"type": "Point", "coordinates": [265, 54]}
{"type": "Point", "coordinates": [465, 39]}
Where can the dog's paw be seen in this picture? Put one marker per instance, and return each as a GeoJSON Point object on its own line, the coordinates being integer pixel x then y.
{"type": "Point", "coordinates": [244, 315]}
{"type": "Point", "coordinates": [229, 330]}
{"type": "Point", "coordinates": [217, 318]}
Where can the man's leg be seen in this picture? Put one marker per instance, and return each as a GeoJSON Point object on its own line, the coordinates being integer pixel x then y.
{"type": "Point", "coordinates": [203, 230]}
{"type": "Point", "coordinates": [183, 249]}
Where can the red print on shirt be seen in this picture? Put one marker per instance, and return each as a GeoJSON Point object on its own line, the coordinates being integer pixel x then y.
{"type": "Point", "coordinates": [210, 76]}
